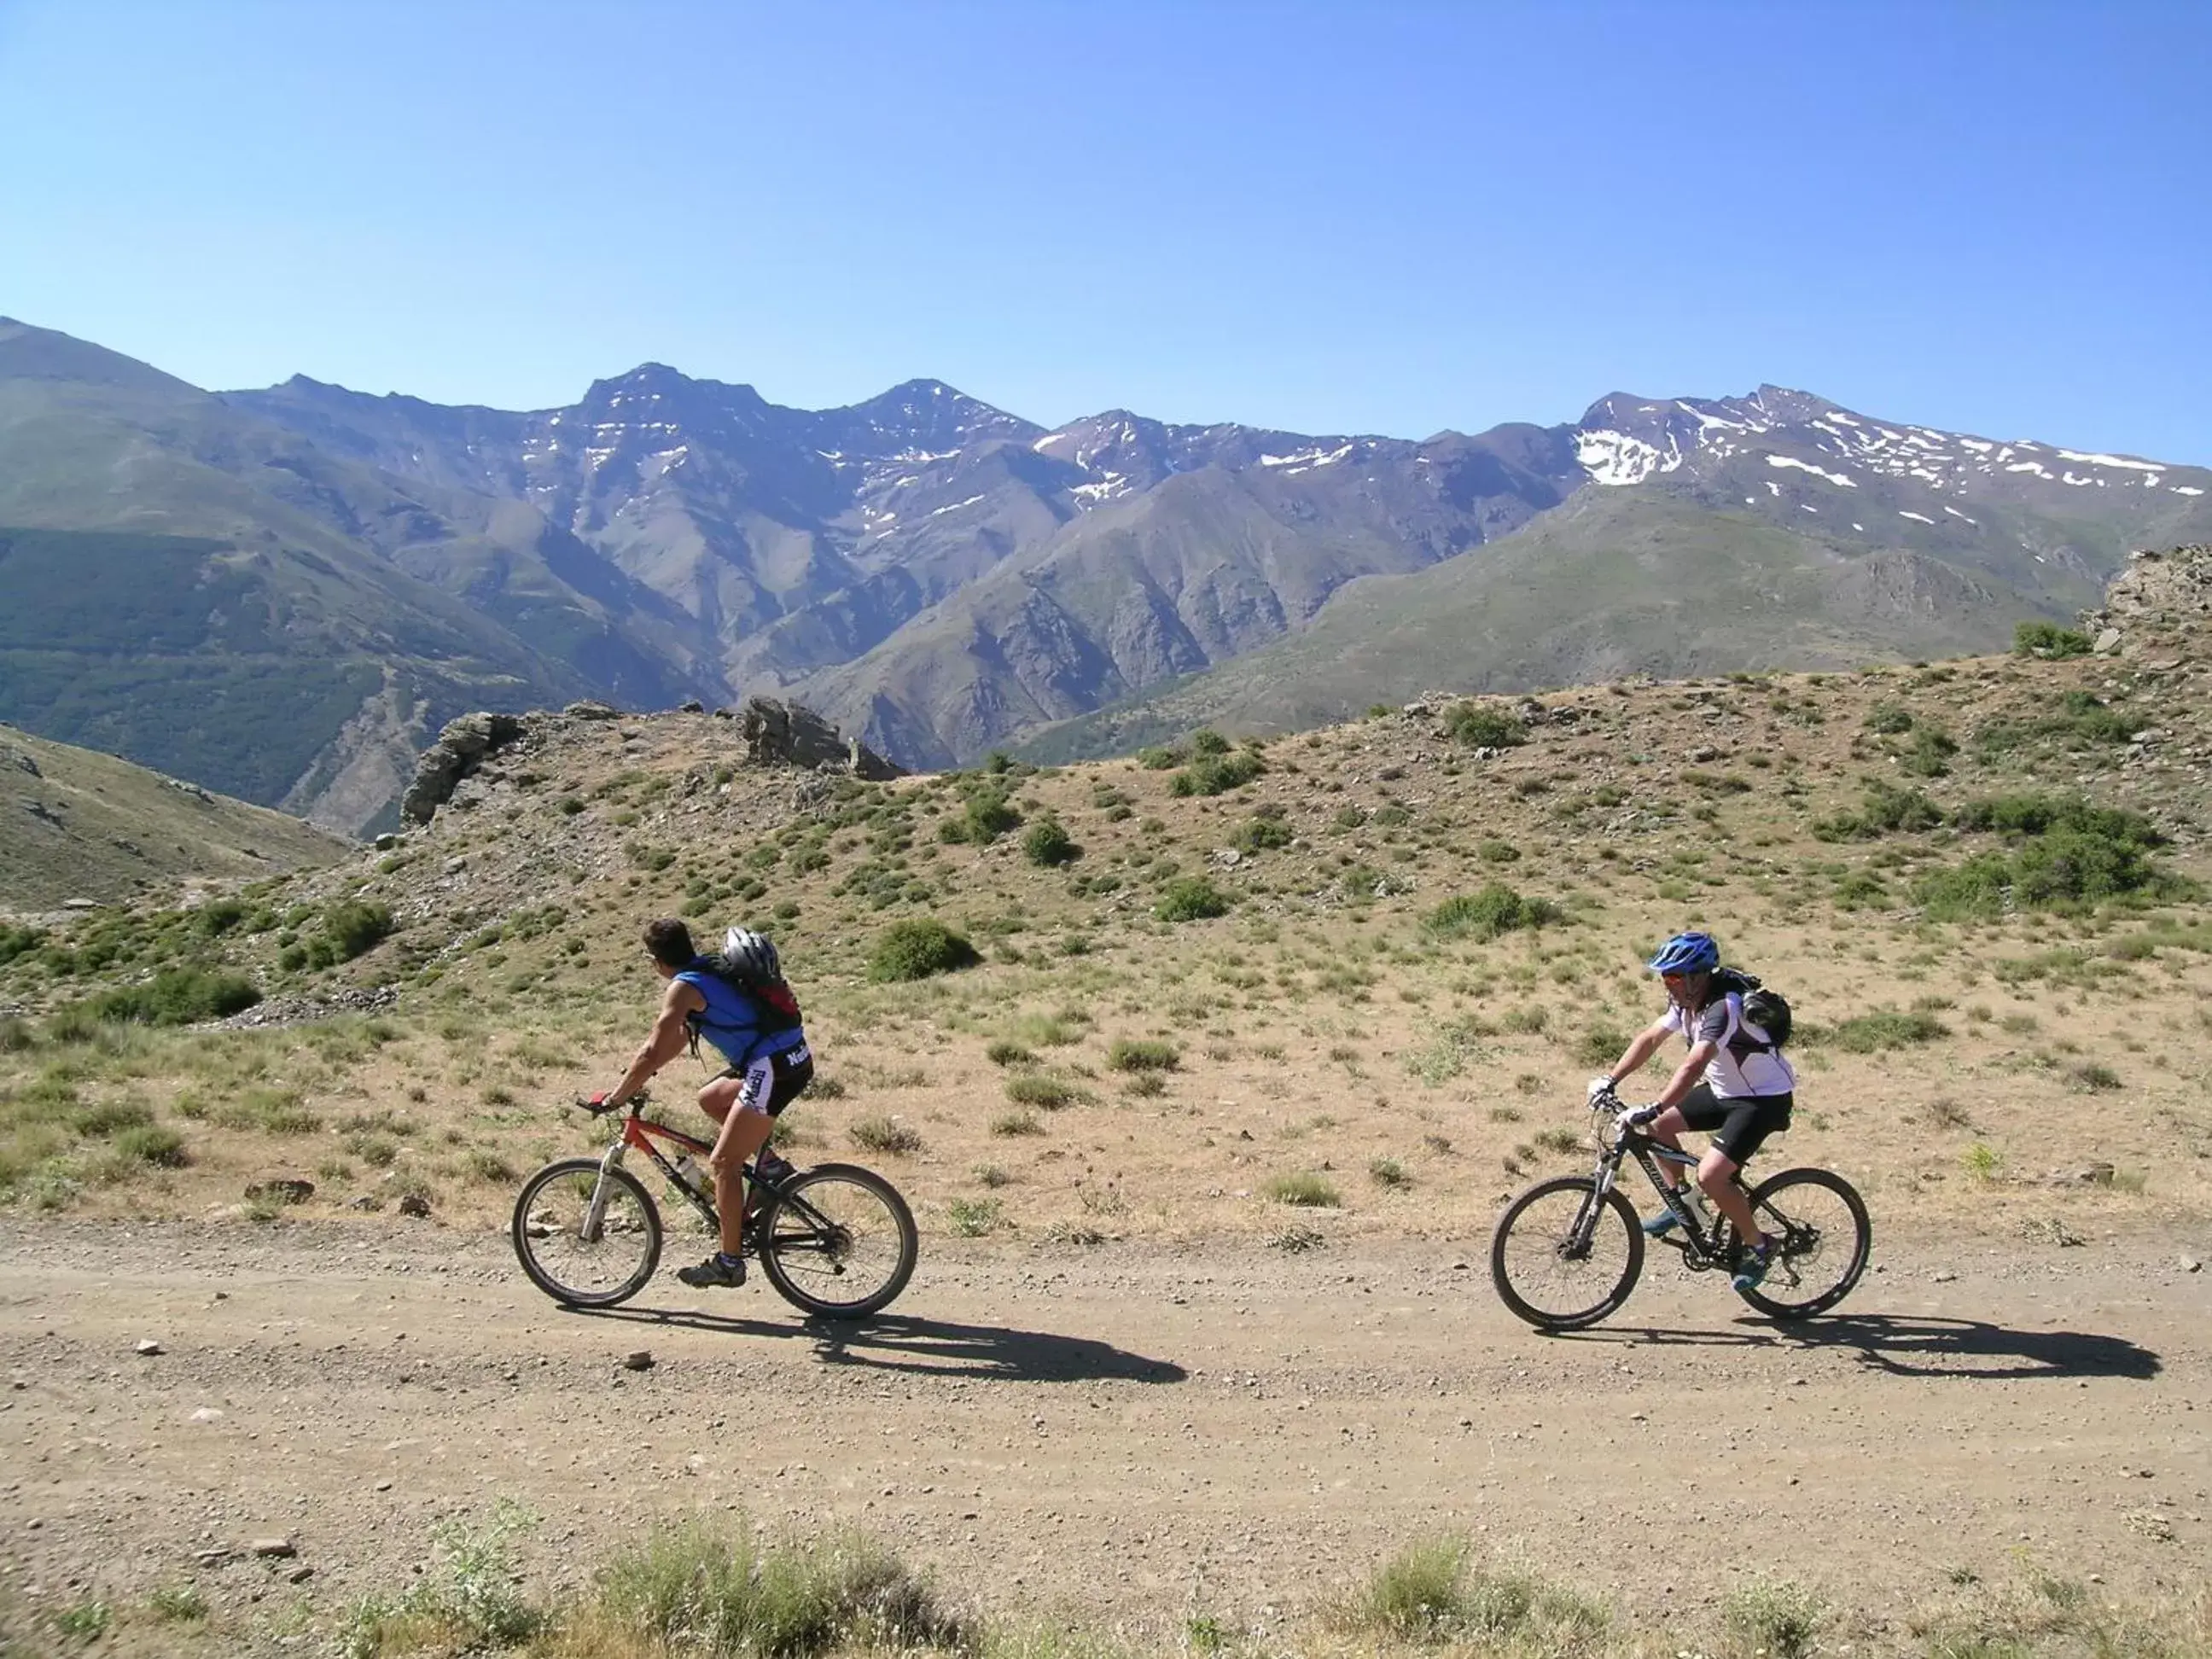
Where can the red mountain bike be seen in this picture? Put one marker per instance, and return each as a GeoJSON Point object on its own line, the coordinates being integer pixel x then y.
{"type": "Point", "coordinates": [836, 1241]}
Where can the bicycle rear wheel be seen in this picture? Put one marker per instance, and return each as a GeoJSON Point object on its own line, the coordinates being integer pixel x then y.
{"type": "Point", "coordinates": [1825, 1236]}
{"type": "Point", "coordinates": [838, 1242]}
{"type": "Point", "coordinates": [549, 1217]}
{"type": "Point", "coordinates": [1561, 1260]}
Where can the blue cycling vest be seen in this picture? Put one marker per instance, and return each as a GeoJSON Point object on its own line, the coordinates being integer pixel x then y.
{"type": "Point", "coordinates": [736, 1022]}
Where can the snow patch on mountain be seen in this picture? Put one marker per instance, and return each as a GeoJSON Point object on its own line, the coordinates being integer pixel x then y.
{"type": "Point", "coordinates": [1615, 458]}
{"type": "Point", "coordinates": [1842, 479]}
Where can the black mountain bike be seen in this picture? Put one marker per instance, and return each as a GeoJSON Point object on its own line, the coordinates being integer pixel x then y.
{"type": "Point", "coordinates": [836, 1241]}
{"type": "Point", "coordinates": [1568, 1251]}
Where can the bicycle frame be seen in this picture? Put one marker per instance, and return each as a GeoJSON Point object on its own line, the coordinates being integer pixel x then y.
{"type": "Point", "coordinates": [1702, 1247]}
{"type": "Point", "coordinates": [638, 1134]}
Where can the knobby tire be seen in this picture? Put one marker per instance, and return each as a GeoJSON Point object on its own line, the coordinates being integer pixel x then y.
{"type": "Point", "coordinates": [1616, 1210]}
{"type": "Point", "coordinates": [790, 1244]}
{"type": "Point", "coordinates": [627, 1189]}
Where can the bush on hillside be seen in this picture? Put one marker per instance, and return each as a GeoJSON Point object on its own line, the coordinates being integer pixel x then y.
{"type": "Point", "coordinates": [18, 941]}
{"type": "Point", "coordinates": [1208, 741]}
{"type": "Point", "coordinates": [1887, 720]}
{"type": "Point", "coordinates": [1143, 1055]}
{"type": "Point", "coordinates": [1480, 725]}
{"type": "Point", "coordinates": [176, 996]}
{"type": "Point", "coordinates": [1886, 810]}
{"type": "Point", "coordinates": [1258, 834]}
{"type": "Point", "coordinates": [2044, 638]}
{"type": "Point", "coordinates": [987, 816]}
{"type": "Point", "coordinates": [1495, 910]}
{"type": "Point", "coordinates": [1191, 898]}
{"type": "Point", "coordinates": [354, 927]}
{"type": "Point", "coordinates": [1046, 842]}
{"type": "Point", "coordinates": [2076, 719]}
{"type": "Point", "coordinates": [1215, 775]}
{"type": "Point", "coordinates": [917, 948]}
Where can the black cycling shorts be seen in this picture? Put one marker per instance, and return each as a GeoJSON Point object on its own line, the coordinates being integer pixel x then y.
{"type": "Point", "coordinates": [774, 1081]}
{"type": "Point", "coordinates": [1739, 1124]}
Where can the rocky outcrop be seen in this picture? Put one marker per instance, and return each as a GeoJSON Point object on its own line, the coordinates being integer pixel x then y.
{"type": "Point", "coordinates": [2166, 592]}
{"type": "Point", "coordinates": [790, 734]}
{"type": "Point", "coordinates": [459, 750]}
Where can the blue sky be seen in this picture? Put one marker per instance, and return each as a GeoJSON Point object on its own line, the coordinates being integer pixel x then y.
{"type": "Point", "coordinates": [1375, 217]}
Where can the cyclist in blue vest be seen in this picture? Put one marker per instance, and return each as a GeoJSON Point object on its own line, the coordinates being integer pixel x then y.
{"type": "Point", "coordinates": [738, 1003]}
{"type": "Point", "coordinates": [1734, 1083]}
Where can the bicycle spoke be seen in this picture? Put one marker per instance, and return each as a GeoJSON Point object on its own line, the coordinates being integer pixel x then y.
{"type": "Point", "coordinates": [553, 1228]}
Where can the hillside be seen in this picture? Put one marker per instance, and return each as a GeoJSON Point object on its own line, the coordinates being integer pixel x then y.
{"type": "Point", "coordinates": [76, 825]}
{"type": "Point", "coordinates": [1400, 939]}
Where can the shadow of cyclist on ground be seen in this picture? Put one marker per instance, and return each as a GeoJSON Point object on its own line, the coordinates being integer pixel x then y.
{"type": "Point", "coordinates": [1924, 1345]}
{"type": "Point", "coordinates": [935, 1348]}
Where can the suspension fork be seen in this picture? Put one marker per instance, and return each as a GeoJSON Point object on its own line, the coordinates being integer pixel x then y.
{"type": "Point", "coordinates": [1603, 1179]}
{"type": "Point", "coordinates": [595, 1212]}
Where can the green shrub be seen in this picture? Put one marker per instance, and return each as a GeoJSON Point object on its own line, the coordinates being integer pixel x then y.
{"type": "Point", "coordinates": [1432, 1592]}
{"type": "Point", "coordinates": [1306, 1190]}
{"type": "Point", "coordinates": [19, 940]}
{"type": "Point", "coordinates": [1778, 1620]}
{"type": "Point", "coordinates": [879, 1132]}
{"type": "Point", "coordinates": [219, 916]}
{"type": "Point", "coordinates": [176, 996]}
{"type": "Point", "coordinates": [972, 1218]}
{"type": "Point", "coordinates": [104, 1117]}
{"type": "Point", "coordinates": [917, 948]}
{"type": "Point", "coordinates": [1889, 719]}
{"type": "Point", "coordinates": [1206, 741]}
{"type": "Point", "coordinates": [354, 927]}
{"type": "Point", "coordinates": [1046, 1092]}
{"type": "Point", "coordinates": [1190, 898]}
{"type": "Point", "coordinates": [713, 1587]}
{"type": "Point", "coordinates": [1215, 775]}
{"type": "Point", "coordinates": [1161, 758]}
{"type": "Point", "coordinates": [1143, 1055]}
{"type": "Point", "coordinates": [2076, 719]}
{"type": "Point", "coordinates": [2046, 639]}
{"type": "Point", "coordinates": [1260, 835]}
{"type": "Point", "coordinates": [1493, 851]}
{"type": "Point", "coordinates": [1016, 1123]}
{"type": "Point", "coordinates": [1484, 725]}
{"type": "Point", "coordinates": [1495, 910]}
{"type": "Point", "coordinates": [1047, 843]}
{"type": "Point", "coordinates": [153, 1143]}
{"type": "Point", "coordinates": [1884, 1029]}
{"type": "Point", "coordinates": [1886, 810]}
{"type": "Point", "coordinates": [1005, 1052]}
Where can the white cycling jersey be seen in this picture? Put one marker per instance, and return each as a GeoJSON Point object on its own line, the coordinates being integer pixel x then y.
{"type": "Point", "coordinates": [1745, 1062]}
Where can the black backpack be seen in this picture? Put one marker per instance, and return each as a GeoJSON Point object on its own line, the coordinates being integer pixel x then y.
{"type": "Point", "coordinates": [1768, 1010]}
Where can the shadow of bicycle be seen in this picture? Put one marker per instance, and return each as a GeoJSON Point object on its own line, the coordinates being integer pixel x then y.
{"type": "Point", "coordinates": [934, 1347]}
{"type": "Point", "coordinates": [1923, 1346]}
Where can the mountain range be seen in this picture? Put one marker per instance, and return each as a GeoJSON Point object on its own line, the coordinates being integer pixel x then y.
{"type": "Point", "coordinates": [283, 593]}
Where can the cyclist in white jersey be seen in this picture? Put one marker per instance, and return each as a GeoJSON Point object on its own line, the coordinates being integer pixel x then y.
{"type": "Point", "coordinates": [1734, 1083]}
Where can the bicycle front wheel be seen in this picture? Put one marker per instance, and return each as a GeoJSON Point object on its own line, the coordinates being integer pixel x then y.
{"type": "Point", "coordinates": [838, 1242]}
{"type": "Point", "coordinates": [550, 1221]}
{"type": "Point", "coordinates": [1561, 1258]}
{"type": "Point", "coordinates": [1824, 1238]}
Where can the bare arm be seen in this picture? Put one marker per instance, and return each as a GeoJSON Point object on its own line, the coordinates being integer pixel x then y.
{"type": "Point", "coordinates": [1645, 1044]}
{"type": "Point", "coordinates": [668, 1039]}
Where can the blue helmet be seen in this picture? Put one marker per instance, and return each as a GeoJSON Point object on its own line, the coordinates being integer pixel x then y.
{"type": "Point", "coordinates": [1687, 953]}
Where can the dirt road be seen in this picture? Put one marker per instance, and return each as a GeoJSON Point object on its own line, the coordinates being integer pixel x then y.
{"type": "Point", "coordinates": [1132, 1432]}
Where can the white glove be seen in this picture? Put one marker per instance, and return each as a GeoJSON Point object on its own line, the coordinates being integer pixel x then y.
{"type": "Point", "coordinates": [1636, 1117]}
{"type": "Point", "coordinates": [1600, 1087]}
